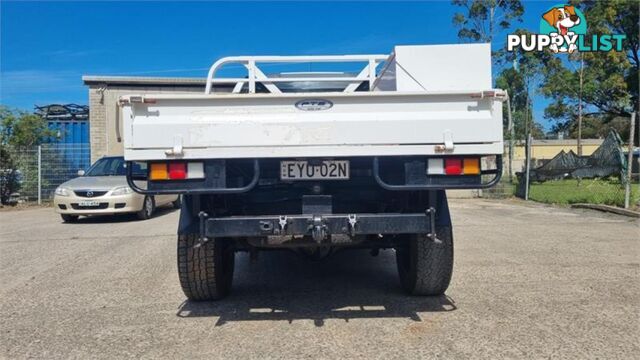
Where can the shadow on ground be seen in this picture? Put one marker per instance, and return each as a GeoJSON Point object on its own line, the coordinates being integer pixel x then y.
{"type": "Point", "coordinates": [159, 212]}
{"type": "Point", "coordinates": [284, 286]}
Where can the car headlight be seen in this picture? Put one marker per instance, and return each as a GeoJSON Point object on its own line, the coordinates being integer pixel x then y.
{"type": "Point", "coordinates": [62, 191]}
{"type": "Point", "coordinates": [121, 190]}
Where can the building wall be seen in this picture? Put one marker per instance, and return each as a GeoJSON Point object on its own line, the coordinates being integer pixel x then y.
{"type": "Point", "coordinates": [102, 113]}
{"type": "Point", "coordinates": [546, 150]}
{"type": "Point", "coordinates": [549, 150]}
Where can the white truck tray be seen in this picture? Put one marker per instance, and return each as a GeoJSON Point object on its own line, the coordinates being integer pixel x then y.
{"type": "Point", "coordinates": [394, 115]}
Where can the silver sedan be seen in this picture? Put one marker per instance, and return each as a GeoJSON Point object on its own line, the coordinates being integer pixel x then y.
{"type": "Point", "coordinates": [103, 190]}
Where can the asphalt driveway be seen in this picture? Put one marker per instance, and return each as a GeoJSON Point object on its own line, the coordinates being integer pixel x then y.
{"type": "Point", "coordinates": [529, 281]}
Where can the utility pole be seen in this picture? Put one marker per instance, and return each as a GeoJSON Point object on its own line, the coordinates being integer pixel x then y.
{"type": "Point", "coordinates": [526, 110]}
{"type": "Point", "coordinates": [580, 105]}
{"type": "Point", "coordinates": [512, 131]}
{"type": "Point", "coordinates": [627, 186]}
{"type": "Point", "coordinates": [528, 166]}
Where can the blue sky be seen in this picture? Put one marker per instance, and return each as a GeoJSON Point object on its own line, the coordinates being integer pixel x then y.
{"type": "Point", "coordinates": [47, 46]}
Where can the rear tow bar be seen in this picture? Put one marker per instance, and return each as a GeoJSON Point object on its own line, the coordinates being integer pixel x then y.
{"type": "Point", "coordinates": [318, 227]}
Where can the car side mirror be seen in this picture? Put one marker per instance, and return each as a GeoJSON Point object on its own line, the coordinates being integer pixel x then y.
{"type": "Point", "coordinates": [80, 172]}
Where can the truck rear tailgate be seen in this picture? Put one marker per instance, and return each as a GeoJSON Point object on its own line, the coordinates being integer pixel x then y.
{"type": "Point", "coordinates": [166, 126]}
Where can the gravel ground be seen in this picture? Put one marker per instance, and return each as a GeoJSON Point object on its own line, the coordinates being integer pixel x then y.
{"type": "Point", "coordinates": [530, 281]}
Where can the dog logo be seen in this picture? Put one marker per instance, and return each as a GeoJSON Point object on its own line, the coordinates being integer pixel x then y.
{"type": "Point", "coordinates": [563, 21]}
{"type": "Point", "coordinates": [563, 30]}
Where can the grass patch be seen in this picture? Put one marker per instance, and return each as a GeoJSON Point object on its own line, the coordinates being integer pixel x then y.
{"type": "Point", "coordinates": [592, 191]}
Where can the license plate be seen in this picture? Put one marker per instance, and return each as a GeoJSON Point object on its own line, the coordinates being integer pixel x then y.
{"type": "Point", "coordinates": [325, 170]}
{"type": "Point", "coordinates": [88, 203]}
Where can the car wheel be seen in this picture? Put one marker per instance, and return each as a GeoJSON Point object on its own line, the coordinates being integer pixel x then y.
{"type": "Point", "coordinates": [69, 218]}
{"type": "Point", "coordinates": [148, 206]}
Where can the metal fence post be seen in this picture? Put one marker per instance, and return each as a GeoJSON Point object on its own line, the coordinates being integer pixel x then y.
{"type": "Point", "coordinates": [528, 157]}
{"type": "Point", "coordinates": [627, 186]}
{"type": "Point", "coordinates": [39, 174]}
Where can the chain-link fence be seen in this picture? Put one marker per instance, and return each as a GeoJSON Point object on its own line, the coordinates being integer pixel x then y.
{"type": "Point", "coordinates": [607, 171]}
{"type": "Point", "coordinates": [33, 173]}
{"type": "Point", "coordinates": [607, 175]}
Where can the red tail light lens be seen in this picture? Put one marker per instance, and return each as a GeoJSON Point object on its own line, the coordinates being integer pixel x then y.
{"type": "Point", "coordinates": [177, 170]}
{"type": "Point", "coordinates": [453, 166]}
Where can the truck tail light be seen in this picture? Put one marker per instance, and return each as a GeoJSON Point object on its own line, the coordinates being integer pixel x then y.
{"type": "Point", "coordinates": [158, 171]}
{"type": "Point", "coordinates": [471, 166]}
{"type": "Point", "coordinates": [195, 170]}
{"type": "Point", "coordinates": [176, 170]}
{"type": "Point", "coordinates": [435, 167]}
{"type": "Point", "coordinates": [453, 166]}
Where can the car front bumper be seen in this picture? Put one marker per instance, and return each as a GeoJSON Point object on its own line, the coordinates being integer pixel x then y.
{"type": "Point", "coordinates": [107, 205]}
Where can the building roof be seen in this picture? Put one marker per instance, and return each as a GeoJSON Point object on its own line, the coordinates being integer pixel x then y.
{"type": "Point", "coordinates": [63, 112]}
{"type": "Point", "coordinates": [558, 142]}
{"type": "Point", "coordinates": [143, 80]}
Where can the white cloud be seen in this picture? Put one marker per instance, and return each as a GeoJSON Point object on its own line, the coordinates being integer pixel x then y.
{"type": "Point", "coordinates": [37, 81]}
{"type": "Point", "coordinates": [24, 88]}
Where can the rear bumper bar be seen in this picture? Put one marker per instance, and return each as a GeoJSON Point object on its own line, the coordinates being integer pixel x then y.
{"type": "Point", "coordinates": [319, 227]}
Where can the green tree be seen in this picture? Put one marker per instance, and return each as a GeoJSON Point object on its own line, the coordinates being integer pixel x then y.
{"type": "Point", "coordinates": [479, 23]}
{"type": "Point", "coordinates": [522, 80]}
{"type": "Point", "coordinates": [20, 128]}
{"type": "Point", "coordinates": [20, 133]}
{"type": "Point", "coordinates": [619, 17]}
{"type": "Point", "coordinates": [9, 176]}
{"type": "Point", "coordinates": [515, 83]}
{"type": "Point", "coordinates": [483, 17]}
{"type": "Point", "coordinates": [596, 86]}
{"type": "Point", "coordinates": [593, 127]}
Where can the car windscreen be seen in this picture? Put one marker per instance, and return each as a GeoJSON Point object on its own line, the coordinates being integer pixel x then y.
{"type": "Point", "coordinates": [116, 167]}
{"type": "Point", "coordinates": [108, 167]}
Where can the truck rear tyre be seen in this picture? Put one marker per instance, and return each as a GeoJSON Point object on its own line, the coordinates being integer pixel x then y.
{"type": "Point", "coordinates": [206, 271]}
{"type": "Point", "coordinates": [424, 266]}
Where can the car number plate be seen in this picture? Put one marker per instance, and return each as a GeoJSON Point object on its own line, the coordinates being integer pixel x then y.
{"type": "Point", "coordinates": [325, 170]}
{"type": "Point", "coordinates": [88, 203]}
